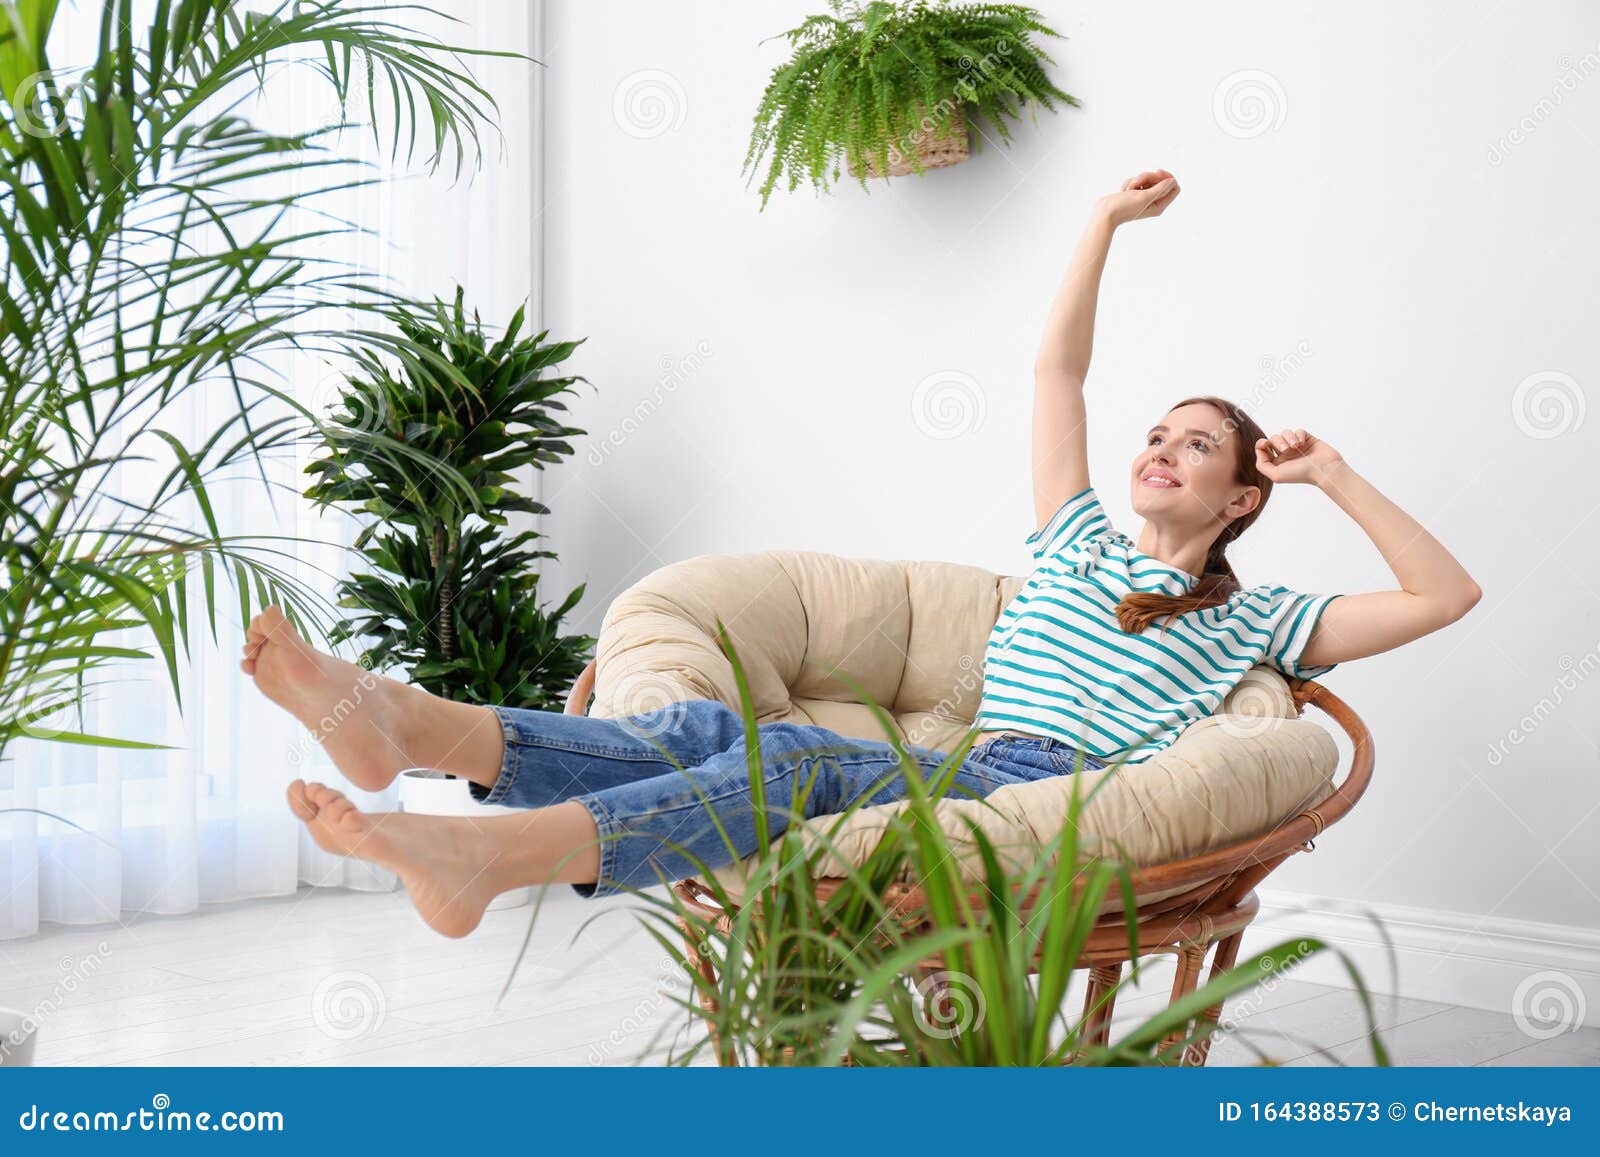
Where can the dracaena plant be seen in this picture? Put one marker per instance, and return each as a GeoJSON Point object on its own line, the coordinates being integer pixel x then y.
{"type": "Point", "coordinates": [432, 449]}
{"type": "Point", "coordinates": [865, 80]}
{"type": "Point", "coordinates": [157, 245]}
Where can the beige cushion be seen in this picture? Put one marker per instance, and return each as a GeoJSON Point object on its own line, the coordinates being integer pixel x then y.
{"type": "Point", "coordinates": [912, 634]}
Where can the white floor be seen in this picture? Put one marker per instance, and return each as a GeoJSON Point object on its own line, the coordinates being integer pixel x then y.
{"type": "Point", "coordinates": [335, 977]}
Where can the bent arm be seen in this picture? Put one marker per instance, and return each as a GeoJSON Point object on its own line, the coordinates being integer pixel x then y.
{"type": "Point", "coordinates": [1060, 432]}
{"type": "Point", "coordinates": [1435, 590]}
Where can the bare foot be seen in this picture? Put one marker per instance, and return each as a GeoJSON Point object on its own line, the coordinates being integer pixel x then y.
{"type": "Point", "coordinates": [447, 864]}
{"type": "Point", "coordinates": [357, 715]}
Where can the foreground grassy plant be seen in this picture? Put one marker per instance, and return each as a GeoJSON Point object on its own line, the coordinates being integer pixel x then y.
{"type": "Point", "coordinates": [860, 971]}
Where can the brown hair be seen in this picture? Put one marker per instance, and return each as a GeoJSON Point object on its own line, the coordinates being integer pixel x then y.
{"type": "Point", "coordinates": [1139, 609]}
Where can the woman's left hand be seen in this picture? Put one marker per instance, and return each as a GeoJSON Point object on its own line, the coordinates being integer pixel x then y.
{"type": "Point", "coordinates": [1296, 456]}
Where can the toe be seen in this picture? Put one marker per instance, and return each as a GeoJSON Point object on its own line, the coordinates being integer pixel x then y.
{"type": "Point", "coordinates": [298, 803]}
{"type": "Point", "coordinates": [324, 796]}
{"type": "Point", "coordinates": [267, 623]}
{"type": "Point", "coordinates": [275, 624]}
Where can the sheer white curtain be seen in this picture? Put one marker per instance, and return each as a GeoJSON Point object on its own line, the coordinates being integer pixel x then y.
{"type": "Point", "coordinates": [204, 821]}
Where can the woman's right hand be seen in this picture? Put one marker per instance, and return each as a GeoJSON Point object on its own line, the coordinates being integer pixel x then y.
{"type": "Point", "coordinates": [1146, 195]}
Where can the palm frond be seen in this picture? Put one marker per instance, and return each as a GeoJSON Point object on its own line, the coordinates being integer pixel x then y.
{"type": "Point", "coordinates": [158, 243]}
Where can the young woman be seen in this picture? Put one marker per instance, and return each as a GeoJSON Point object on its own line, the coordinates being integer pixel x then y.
{"type": "Point", "coordinates": [1112, 647]}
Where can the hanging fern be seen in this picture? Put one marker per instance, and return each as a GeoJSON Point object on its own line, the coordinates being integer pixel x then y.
{"type": "Point", "coordinates": [864, 82]}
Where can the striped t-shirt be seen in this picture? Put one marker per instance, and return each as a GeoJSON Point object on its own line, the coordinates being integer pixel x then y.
{"type": "Point", "coordinates": [1058, 664]}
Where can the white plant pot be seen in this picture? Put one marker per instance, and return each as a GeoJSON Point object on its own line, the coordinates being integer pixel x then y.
{"type": "Point", "coordinates": [426, 792]}
{"type": "Point", "coordinates": [18, 1035]}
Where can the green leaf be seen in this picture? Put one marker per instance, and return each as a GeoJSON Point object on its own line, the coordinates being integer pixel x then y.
{"type": "Point", "coordinates": [143, 262]}
{"type": "Point", "coordinates": [472, 412]}
{"type": "Point", "coordinates": [860, 84]}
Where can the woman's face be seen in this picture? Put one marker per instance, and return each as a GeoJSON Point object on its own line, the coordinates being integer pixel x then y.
{"type": "Point", "coordinates": [1185, 474]}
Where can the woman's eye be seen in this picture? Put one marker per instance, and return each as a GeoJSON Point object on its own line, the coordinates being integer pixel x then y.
{"type": "Point", "coordinates": [1196, 444]}
{"type": "Point", "coordinates": [1152, 440]}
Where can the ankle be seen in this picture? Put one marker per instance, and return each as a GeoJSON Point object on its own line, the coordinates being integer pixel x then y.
{"type": "Point", "coordinates": [463, 739]}
{"type": "Point", "coordinates": [549, 845]}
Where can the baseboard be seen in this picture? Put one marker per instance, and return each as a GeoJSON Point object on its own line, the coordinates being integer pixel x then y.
{"type": "Point", "coordinates": [1552, 971]}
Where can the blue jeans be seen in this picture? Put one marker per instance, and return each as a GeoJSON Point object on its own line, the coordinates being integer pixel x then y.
{"type": "Point", "coordinates": [654, 815]}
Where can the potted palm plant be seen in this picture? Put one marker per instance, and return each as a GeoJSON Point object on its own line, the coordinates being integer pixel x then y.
{"type": "Point", "coordinates": [895, 88]}
{"type": "Point", "coordinates": [432, 448]}
{"type": "Point", "coordinates": [141, 265]}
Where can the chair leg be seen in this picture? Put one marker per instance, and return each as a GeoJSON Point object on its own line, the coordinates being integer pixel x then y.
{"type": "Point", "coordinates": [1227, 952]}
{"type": "Point", "coordinates": [1190, 959]}
{"type": "Point", "coordinates": [1102, 987]}
{"type": "Point", "coordinates": [708, 972]}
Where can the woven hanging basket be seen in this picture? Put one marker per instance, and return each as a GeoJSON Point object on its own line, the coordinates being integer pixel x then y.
{"type": "Point", "coordinates": [937, 147]}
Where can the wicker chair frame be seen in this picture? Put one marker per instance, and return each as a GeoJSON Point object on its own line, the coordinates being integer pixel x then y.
{"type": "Point", "coordinates": [1215, 906]}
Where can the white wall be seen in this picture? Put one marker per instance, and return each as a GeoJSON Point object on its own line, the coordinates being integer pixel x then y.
{"type": "Point", "coordinates": [776, 355]}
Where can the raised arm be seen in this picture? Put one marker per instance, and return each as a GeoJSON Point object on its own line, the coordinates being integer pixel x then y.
{"type": "Point", "coordinates": [1060, 434]}
{"type": "Point", "coordinates": [1435, 590]}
